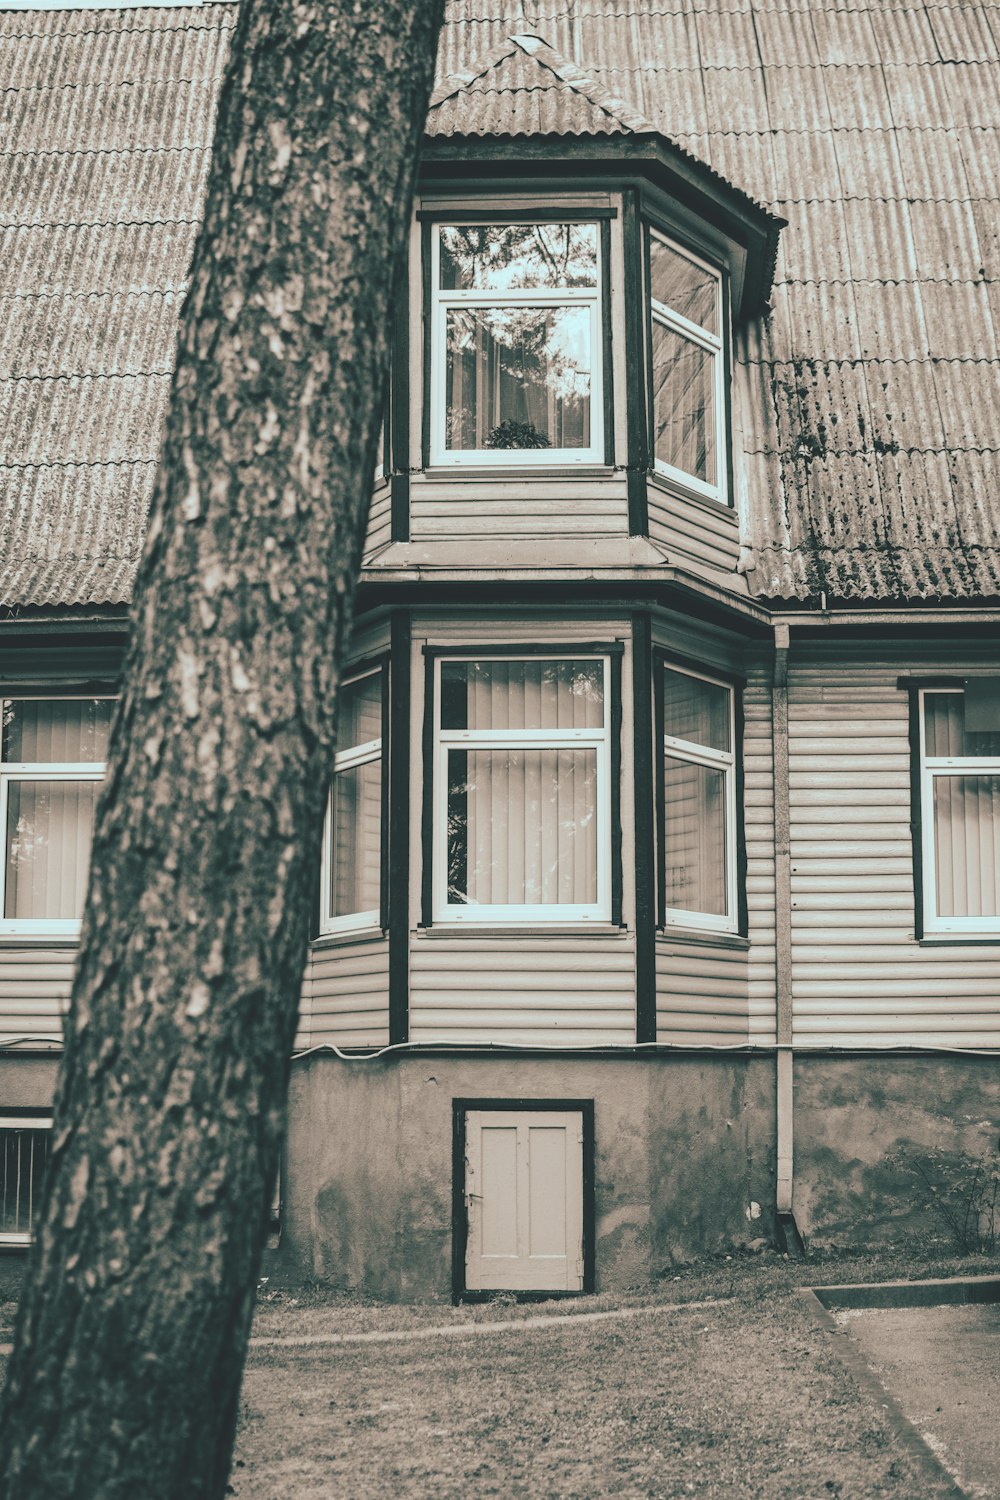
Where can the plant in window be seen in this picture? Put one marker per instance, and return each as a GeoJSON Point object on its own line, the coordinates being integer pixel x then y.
{"type": "Point", "coordinates": [514, 339]}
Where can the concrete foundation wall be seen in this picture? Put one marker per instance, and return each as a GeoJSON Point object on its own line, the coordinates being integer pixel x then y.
{"type": "Point", "coordinates": [26, 1081]}
{"type": "Point", "coordinates": [683, 1146]}
{"type": "Point", "coordinates": [873, 1134]}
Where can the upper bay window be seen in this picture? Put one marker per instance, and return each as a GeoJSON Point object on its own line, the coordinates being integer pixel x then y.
{"type": "Point", "coordinates": [52, 758]}
{"type": "Point", "coordinates": [516, 347]}
{"type": "Point", "coordinates": [351, 879]}
{"type": "Point", "coordinates": [960, 809]}
{"type": "Point", "coordinates": [522, 778]}
{"type": "Point", "coordinates": [687, 369]}
{"type": "Point", "coordinates": [698, 803]}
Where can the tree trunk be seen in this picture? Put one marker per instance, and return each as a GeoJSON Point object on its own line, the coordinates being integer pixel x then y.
{"type": "Point", "coordinates": [170, 1109]}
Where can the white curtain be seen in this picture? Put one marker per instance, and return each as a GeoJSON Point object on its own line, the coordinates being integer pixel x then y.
{"type": "Point", "coordinates": [522, 822]}
{"type": "Point", "coordinates": [695, 837]}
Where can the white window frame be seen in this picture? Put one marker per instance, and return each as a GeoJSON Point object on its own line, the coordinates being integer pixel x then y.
{"type": "Point", "coordinates": [443, 301]}
{"type": "Point", "coordinates": [11, 771]}
{"type": "Point", "coordinates": [21, 1122]}
{"type": "Point", "coordinates": [933, 767]}
{"type": "Point", "coordinates": [714, 344]}
{"type": "Point", "coordinates": [599, 740]}
{"type": "Point", "coordinates": [347, 760]}
{"type": "Point", "coordinates": [716, 760]}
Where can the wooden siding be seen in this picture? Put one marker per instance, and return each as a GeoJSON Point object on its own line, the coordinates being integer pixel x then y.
{"type": "Point", "coordinates": [571, 990]}
{"type": "Point", "coordinates": [758, 823]}
{"type": "Point", "coordinates": [693, 533]}
{"type": "Point", "coordinates": [379, 532]}
{"type": "Point", "coordinates": [347, 999]}
{"type": "Point", "coordinates": [859, 976]}
{"type": "Point", "coordinates": [464, 505]}
{"type": "Point", "coordinates": [34, 992]}
{"type": "Point", "coordinates": [701, 993]}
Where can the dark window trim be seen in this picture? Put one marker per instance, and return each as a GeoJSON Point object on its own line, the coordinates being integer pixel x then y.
{"type": "Point", "coordinates": [663, 657]}
{"type": "Point", "coordinates": [645, 820]}
{"type": "Point", "coordinates": [398, 445]}
{"type": "Point", "coordinates": [636, 386]}
{"type": "Point", "coordinates": [607, 347]}
{"type": "Point", "coordinates": [613, 649]}
{"type": "Point", "coordinates": [396, 783]}
{"type": "Point", "coordinates": [425, 337]}
{"type": "Point", "coordinates": [572, 214]}
{"type": "Point", "coordinates": [459, 1221]}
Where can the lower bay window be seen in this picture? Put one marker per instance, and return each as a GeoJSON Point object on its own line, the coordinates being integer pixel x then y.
{"type": "Point", "coordinates": [51, 767]}
{"type": "Point", "coordinates": [959, 746]}
{"type": "Point", "coordinates": [522, 816]}
{"type": "Point", "coordinates": [697, 800]}
{"type": "Point", "coordinates": [351, 881]}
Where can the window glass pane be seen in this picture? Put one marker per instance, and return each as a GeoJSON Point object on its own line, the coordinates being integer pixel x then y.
{"type": "Point", "coordinates": [685, 288]}
{"type": "Point", "coordinates": [505, 257]}
{"type": "Point", "coordinates": [695, 710]}
{"type": "Point", "coordinates": [695, 837]}
{"type": "Point", "coordinates": [532, 694]}
{"type": "Point", "coordinates": [23, 1156]}
{"type": "Point", "coordinates": [518, 377]}
{"type": "Point", "coordinates": [64, 731]}
{"type": "Point", "coordinates": [944, 728]}
{"type": "Point", "coordinates": [360, 717]}
{"type": "Point", "coordinates": [684, 404]}
{"type": "Point", "coordinates": [49, 828]}
{"type": "Point", "coordinates": [522, 827]}
{"type": "Point", "coordinates": [355, 833]}
{"type": "Point", "coordinates": [967, 845]}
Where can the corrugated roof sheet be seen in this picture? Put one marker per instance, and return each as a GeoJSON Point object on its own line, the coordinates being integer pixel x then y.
{"type": "Point", "coordinates": [867, 454]}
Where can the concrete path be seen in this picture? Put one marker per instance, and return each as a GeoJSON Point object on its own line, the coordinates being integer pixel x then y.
{"type": "Point", "coordinates": [942, 1365]}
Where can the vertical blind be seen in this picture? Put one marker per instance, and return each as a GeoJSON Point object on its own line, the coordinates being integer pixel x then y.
{"type": "Point", "coordinates": [965, 811]}
{"type": "Point", "coordinates": [522, 820]}
{"type": "Point", "coordinates": [697, 728]}
{"type": "Point", "coordinates": [24, 1154]}
{"type": "Point", "coordinates": [355, 826]}
{"type": "Point", "coordinates": [50, 815]}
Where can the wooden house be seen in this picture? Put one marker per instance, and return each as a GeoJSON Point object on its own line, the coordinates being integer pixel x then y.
{"type": "Point", "coordinates": [660, 902]}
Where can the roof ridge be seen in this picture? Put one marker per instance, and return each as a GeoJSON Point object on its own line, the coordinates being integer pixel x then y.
{"type": "Point", "coordinates": [455, 82]}
{"type": "Point", "coordinates": [583, 83]}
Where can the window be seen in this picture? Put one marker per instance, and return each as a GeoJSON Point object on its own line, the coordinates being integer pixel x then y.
{"type": "Point", "coordinates": [351, 878]}
{"type": "Point", "coordinates": [960, 811]}
{"type": "Point", "coordinates": [24, 1152]}
{"type": "Point", "coordinates": [52, 757]}
{"type": "Point", "coordinates": [522, 789]}
{"type": "Point", "coordinates": [698, 816]}
{"type": "Point", "coordinates": [686, 368]}
{"type": "Point", "coordinates": [516, 344]}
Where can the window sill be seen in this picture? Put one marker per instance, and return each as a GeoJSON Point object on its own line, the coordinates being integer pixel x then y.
{"type": "Point", "coordinates": [522, 930]}
{"type": "Point", "coordinates": [342, 939]}
{"type": "Point", "coordinates": [462, 473]}
{"type": "Point", "coordinates": [39, 940]}
{"type": "Point", "coordinates": [694, 937]}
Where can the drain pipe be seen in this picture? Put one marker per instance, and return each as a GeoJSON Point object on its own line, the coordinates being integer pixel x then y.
{"type": "Point", "coordinates": [789, 1238]}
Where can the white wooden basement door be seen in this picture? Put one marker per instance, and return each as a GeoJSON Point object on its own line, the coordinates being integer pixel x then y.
{"type": "Point", "coordinates": [524, 1200]}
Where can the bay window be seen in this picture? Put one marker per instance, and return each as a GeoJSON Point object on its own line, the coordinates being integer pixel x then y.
{"type": "Point", "coordinates": [697, 801]}
{"type": "Point", "coordinates": [515, 336]}
{"type": "Point", "coordinates": [687, 368]}
{"type": "Point", "coordinates": [522, 789]}
{"type": "Point", "coordinates": [52, 755]}
{"type": "Point", "coordinates": [351, 880]}
{"type": "Point", "coordinates": [960, 811]}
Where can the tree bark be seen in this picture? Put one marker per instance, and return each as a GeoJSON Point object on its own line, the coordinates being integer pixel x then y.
{"type": "Point", "coordinates": [132, 1331]}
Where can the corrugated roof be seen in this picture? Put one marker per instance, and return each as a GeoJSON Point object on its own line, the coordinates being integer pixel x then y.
{"type": "Point", "coordinates": [867, 456]}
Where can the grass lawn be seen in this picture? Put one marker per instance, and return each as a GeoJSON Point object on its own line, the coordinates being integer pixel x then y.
{"type": "Point", "coordinates": [743, 1397]}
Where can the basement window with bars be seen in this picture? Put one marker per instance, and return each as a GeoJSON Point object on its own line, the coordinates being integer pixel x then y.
{"type": "Point", "coordinates": [522, 790]}
{"type": "Point", "coordinates": [351, 879]}
{"type": "Point", "coordinates": [686, 368]}
{"type": "Point", "coordinates": [52, 755]}
{"type": "Point", "coordinates": [24, 1154]}
{"type": "Point", "coordinates": [960, 808]}
{"type": "Point", "coordinates": [515, 344]}
{"type": "Point", "coordinates": [697, 797]}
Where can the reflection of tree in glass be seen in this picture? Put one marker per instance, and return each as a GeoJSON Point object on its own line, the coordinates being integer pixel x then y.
{"type": "Point", "coordinates": [506, 257]}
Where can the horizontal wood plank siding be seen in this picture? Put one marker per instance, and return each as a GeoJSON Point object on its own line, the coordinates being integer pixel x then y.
{"type": "Point", "coordinates": [561, 990]}
{"type": "Point", "coordinates": [379, 521]}
{"type": "Point", "coordinates": [512, 507]}
{"type": "Point", "coordinates": [701, 994]}
{"type": "Point", "coordinates": [34, 992]}
{"type": "Point", "coordinates": [349, 994]}
{"type": "Point", "coordinates": [859, 976]}
{"type": "Point", "coordinates": [758, 820]}
{"type": "Point", "coordinates": [692, 532]}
